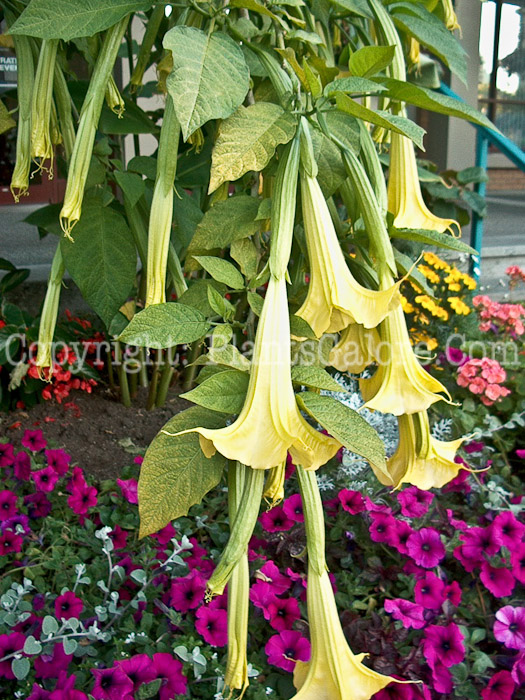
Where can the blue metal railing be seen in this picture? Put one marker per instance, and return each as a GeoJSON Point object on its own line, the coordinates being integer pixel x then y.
{"type": "Point", "coordinates": [510, 150]}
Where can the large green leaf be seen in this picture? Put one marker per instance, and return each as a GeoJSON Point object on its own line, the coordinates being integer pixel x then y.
{"type": "Point", "coordinates": [209, 79]}
{"type": "Point", "coordinates": [434, 101]}
{"type": "Point", "coordinates": [370, 60]}
{"type": "Point", "coordinates": [248, 139]}
{"type": "Point", "coordinates": [165, 325]}
{"type": "Point", "coordinates": [400, 125]}
{"type": "Point", "coordinates": [224, 391]}
{"type": "Point", "coordinates": [347, 426]}
{"type": "Point", "coordinates": [315, 378]}
{"type": "Point", "coordinates": [331, 169]}
{"type": "Point", "coordinates": [175, 474]}
{"type": "Point", "coordinates": [102, 260]}
{"type": "Point", "coordinates": [221, 270]}
{"type": "Point", "coordinates": [6, 120]}
{"type": "Point", "coordinates": [354, 85]}
{"type": "Point", "coordinates": [226, 222]}
{"type": "Point", "coordinates": [131, 184]}
{"type": "Point", "coordinates": [433, 238]}
{"type": "Point", "coordinates": [70, 19]}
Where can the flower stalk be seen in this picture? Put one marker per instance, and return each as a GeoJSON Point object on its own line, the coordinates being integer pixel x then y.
{"type": "Point", "coordinates": [41, 106]}
{"type": "Point", "coordinates": [48, 319]}
{"type": "Point", "coordinates": [25, 80]}
{"type": "Point", "coordinates": [152, 29]}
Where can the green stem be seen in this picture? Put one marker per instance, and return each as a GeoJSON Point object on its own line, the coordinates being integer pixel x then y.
{"type": "Point", "coordinates": [154, 383]}
{"type": "Point", "coordinates": [143, 373]}
{"type": "Point", "coordinates": [313, 519]}
{"type": "Point", "coordinates": [122, 376]}
{"type": "Point", "coordinates": [164, 383]}
{"type": "Point", "coordinates": [152, 29]}
{"type": "Point", "coordinates": [191, 370]}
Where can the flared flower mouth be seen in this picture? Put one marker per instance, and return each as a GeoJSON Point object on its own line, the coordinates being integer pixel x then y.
{"type": "Point", "coordinates": [356, 349]}
{"type": "Point", "coordinates": [335, 299]}
{"type": "Point", "coordinates": [270, 423]}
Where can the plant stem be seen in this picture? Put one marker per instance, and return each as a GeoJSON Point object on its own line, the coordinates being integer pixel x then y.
{"type": "Point", "coordinates": [122, 376]}
{"type": "Point", "coordinates": [164, 383]}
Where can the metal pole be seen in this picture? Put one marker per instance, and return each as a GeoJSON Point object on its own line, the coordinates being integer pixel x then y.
{"type": "Point", "coordinates": [476, 230]}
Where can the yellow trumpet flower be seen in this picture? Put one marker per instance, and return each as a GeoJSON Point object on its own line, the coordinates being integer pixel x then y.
{"type": "Point", "coordinates": [335, 299]}
{"type": "Point", "coordinates": [405, 200]}
{"type": "Point", "coordinates": [270, 423]}
{"type": "Point", "coordinates": [400, 384]}
{"type": "Point", "coordinates": [449, 16]}
{"type": "Point", "coordinates": [420, 459]}
{"type": "Point", "coordinates": [356, 349]}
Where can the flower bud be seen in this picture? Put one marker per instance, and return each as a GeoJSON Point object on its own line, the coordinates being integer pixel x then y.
{"type": "Point", "coordinates": [42, 105]}
{"type": "Point", "coordinates": [26, 75]}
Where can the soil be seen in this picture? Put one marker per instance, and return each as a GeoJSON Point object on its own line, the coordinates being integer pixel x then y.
{"type": "Point", "coordinates": [99, 433]}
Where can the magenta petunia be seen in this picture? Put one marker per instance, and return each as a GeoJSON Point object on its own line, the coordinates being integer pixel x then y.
{"type": "Point", "coordinates": [169, 670]}
{"type": "Point", "coordinates": [10, 543]}
{"type": "Point", "coordinates": [430, 592]}
{"type": "Point", "coordinates": [22, 466]}
{"type": "Point", "coordinates": [517, 559]}
{"type": "Point", "coordinates": [68, 605]}
{"type": "Point", "coordinates": [275, 520]}
{"type": "Point", "coordinates": [111, 684]}
{"type": "Point", "coordinates": [508, 529]}
{"type": "Point", "coordinates": [414, 502]}
{"type": "Point", "coordinates": [129, 489]}
{"type": "Point", "coordinates": [518, 669]}
{"type": "Point", "coordinates": [401, 535]}
{"type": "Point", "coordinates": [397, 691]}
{"type": "Point", "coordinates": [410, 614]}
{"type": "Point", "coordinates": [34, 440]}
{"type": "Point", "coordinates": [51, 665]}
{"type": "Point", "coordinates": [479, 541]}
{"type": "Point", "coordinates": [443, 644]}
{"type": "Point", "coordinates": [212, 625]}
{"type": "Point", "coordinates": [460, 483]}
{"type": "Point", "coordinates": [65, 689]}
{"type": "Point", "coordinates": [499, 581]}
{"type": "Point", "coordinates": [452, 593]}
{"type": "Point", "coordinates": [455, 522]}
{"type": "Point", "coordinates": [293, 508]}
{"type": "Point", "coordinates": [45, 479]}
{"type": "Point", "coordinates": [9, 643]}
{"type": "Point", "coordinates": [501, 687]}
{"type": "Point", "coordinates": [187, 592]}
{"type": "Point", "coordinates": [165, 535]}
{"type": "Point", "coordinates": [7, 456]}
{"type": "Point", "coordinates": [287, 647]}
{"type": "Point", "coordinates": [283, 613]}
{"type": "Point", "coordinates": [139, 669]}
{"type": "Point", "coordinates": [270, 573]}
{"type": "Point", "coordinates": [82, 499]}
{"type": "Point", "coordinates": [468, 560]}
{"type": "Point", "coordinates": [509, 627]}
{"type": "Point", "coordinates": [426, 548]}
{"type": "Point", "coordinates": [383, 527]}
{"type": "Point", "coordinates": [58, 460]}
{"type": "Point", "coordinates": [520, 454]}
{"type": "Point", "coordinates": [38, 693]}
{"type": "Point", "coordinates": [351, 501]}
{"type": "Point", "coordinates": [8, 501]}
{"type": "Point", "coordinates": [441, 679]}
{"type": "Point", "coordinates": [262, 595]}
{"type": "Point", "coordinates": [119, 537]}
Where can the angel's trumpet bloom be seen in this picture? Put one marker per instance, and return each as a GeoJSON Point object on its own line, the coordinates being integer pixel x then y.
{"type": "Point", "coordinates": [335, 299]}
{"type": "Point", "coordinates": [48, 319]}
{"type": "Point", "coordinates": [356, 349]}
{"type": "Point", "coordinates": [274, 487]}
{"type": "Point", "coordinates": [449, 16]}
{"type": "Point", "coordinates": [26, 75]}
{"type": "Point", "coordinates": [420, 459]}
{"type": "Point", "coordinates": [405, 200]}
{"type": "Point", "coordinates": [400, 384]}
{"type": "Point", "coordinates": [270, 424]}
{"type": "Point", "coordinates": [42, 106]}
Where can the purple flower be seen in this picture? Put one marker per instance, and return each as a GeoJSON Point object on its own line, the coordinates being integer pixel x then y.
{"type": "Point", "coordinates": [499, 581]}
{"type": "Point", "coordinates": [187, 592]}
{"type": "Point", "coordinates": [520, 454]}
{"type": "Point", "coordinates": [34, 440]}
{"type": "Point", "coordinates": [473, 446]}
{"type": "Point", "coordinates": [111, 684]}
{"type": "Point", "coordinates": [351, 501]}
{"type": "Point", "coordinates": [410, 614]}
{"type": "Point", "coordinates": [452, 593]}
{"type": "Point", "coordinates": [262, 595]}
{"type": "Point", "coordinates": [22, 466]}
{"type": "Point", "coordinates": [383, 527]}
{"type": "Point", "coordinates": [293, 508]}
{"type": "Point", "coordinates": [10, 543]}
{"type": "Point", "coordinates": [82, 499]}
{"type": "Point", "coordinates": [174, 682]}
{"type": "Point", "coordinates": [425, 547]}
{"type": "Point", "coordinates": [38, 505]}
{"type": "Point", "coordinates": [287, 647]}
{"type": "Point", "coordinates": [212, 625]}
{"type": "Point", "coordinates": [509, 627]}
{"type": "Point", "coordinates": [65, 689]}
{"type": "Point", "coordinates": [501, 687]}
{"type": "Point", "coordinates": [518, 670]}
{"type": "Point", "coordinates": [6, 454]}
{"type": "Point", "coordinates": [7, 505]}
{"type": "Point", "coordinates": [270, 573]}
{"type": "Point", "coordinates": [139, 669]}
{"type": "Point", "coordinates": [479, 541]}
{"type": "Point", "coordinates": [443, 644]}
{"type": "Point", "coordinates": [50, 665]}
{"type": "Point", "coordinates": [19, 519]}
{"type": "Point", "coordinates": [58, 460]}
{"type": "Point", "coordinates": [45, 479]}
{"type": "Point", "coordinates": [430, 591]}
{"type": "Point", "coordinates": [38, 693]}
{"type": "Point", "coordinates": [275, 520]}
{"type": "Point", "coordinates": [67, 606]}
{"type": "Point", "coordinates": [456, 357]}
{"type": "Point", "coordinates": [517, 559]}
{"type": "Point", "coordinates": [441, 678]}
{"type": "Point", "coordinates": [508, 529]}
{"type": "Point", "coordinates": [129, 488]}
{"type": "Point", "coordinates": [397, 691]}
{"type": "Point", "coordinates": [283, 613]}
{"type": "Point", "coordinates": [414, 502]}
{"type": "Point", "coordinates": [9, 643]}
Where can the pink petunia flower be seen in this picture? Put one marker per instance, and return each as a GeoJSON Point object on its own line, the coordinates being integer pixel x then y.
{"type": "Point", "coordinates": [8, 501]}
{"type": "Point", "coordinates": [501, 687]}
{"type": "Point", "coordinates": [508, 529]}
{"type": "Point", "coordinates": [351, 501]}
{"type": "Point", "coordinates": [58, 460]}
{"type": "Point", "coordinates": [410, 614]}
{"type": "Point", "coordinates": [187, 592]}
{"type": "Point", "coordinates": [9, 643]}
{"type": "Point", "coordinates": [119, 537]}
{"type": "Point", "coordinates": [270, 573]}
{"type": "Point", "coordinates": [441, 678]}
{"type": "Point", "coordinates": [212, 625]}
{"type": "Point", "coordinates": [10, 543]}
{"type": "Point", "coordinates": [414, 502]}
{"type": "Point", "coordinates": [139, 669]}
{"type": "Point", "coordinates": [22, 466]}
{"type": "Point", "coordinates": [67, 606]}
{"type": "Point", "coordinates": [45, 479]}
{"type": "Point", "coordinates": [283, 613]}
{"type": "Point", "coordinates": [129, 489]}
{"type": "Point", "coordinates": [499, 581]}
{"type": "Point", "coordinates": [51, 665]}
{"type": "Point", "coordinates": [169, 670]}
{"type": "Point", "coordinates": [82, 499]}
{"type": "Point", "coordinates": [452, 593]}
{"type": "Point", "coordinates": [383, 527]}
{"type": "Point", "coordinates": [34, 440]}
{"type": "Point", "coordinates": [38, 504]}
{"type": "Point", "coordinates": [286, 648]}
{"type": "Point", "coordinates": [426, 548]}
{"type": "Point", "coordinates": [293, 508]}
{"type": "Point", "coordinates": [111, 684]}
{"type": "Point", "coordinates": [517, 559]}
{"type": "Point", "coordinates": [275, 520]}
{"type": "Point", "coordinates": [262, 595]}
{"type": "Point", "coordinates": [430, 591]}
{"type": "Point", "coordinates": [443, 644]}
{"type": "Point", "coordinates": [401, 534]}
{"type": "Point", "coordinates": [509, 627]}
{"type": "Point", "coordinates": [6, 454]}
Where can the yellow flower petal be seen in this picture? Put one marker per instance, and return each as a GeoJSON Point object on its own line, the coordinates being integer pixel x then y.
{"type": "Point", "coordinates": [356, 349]}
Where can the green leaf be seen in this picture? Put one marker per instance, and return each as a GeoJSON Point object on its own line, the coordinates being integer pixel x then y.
{"type": "Point", "coordinates": [20, 668]}
{"type": "Point", "coordinates": [256, 302]}
{"type": "Point", "coordinates": [353, 85]}
{"type": "Point", "coordinates": [49, 625]}
{"type": "Point", "coordinates": [472, 175]}
{"type": "Point", "coordinates": [221, 270]}
{"type": "Point", "coordinates": [32, 646]}
{"type": "Point", "coordinates": [443, 240]}
{"type": "Point", "coordinates": [225, 222]}
{"type": "Point", "coordinates": [347, 426]}
{"type": "Point", "coordinates": [46, 219]}
{"type": "Point", "coordinates": [248, 139]}
{"type": "Point", "coordinates": [244, 252]}
{"type": "Point", "coordinates": [315, 378]}
{"type": "Point", "coordinates": [175, 473]}
{"type": "Point", "coordinates": [102, 260]}
{"type": "Point", "coordinates": [355, 7]}
{"type": "Point", "coordinates": [405, 266]}
{"type": "Point", "coordinates": [331, 170]}
{"type": "Point", "coordinates": [224, 392]}
{"type": "Point", "coordinates": [70, 645]}
{"type": "Point", "coordinates": [6, 120]}
{"type": "Point", "coordinates": [400, 125]}
{"type": "Point", "coordinates": [165, 325]}
{"type": "Point", "coordinates": [209, 79]}
{"type": "Point", "coordinates": [229, 356]}
{"type": "Point", "coordinates": [149, 690]}
{"type": "Point", "coordinates": [345, 128]}
{"type": "Point", "coordinates": [196, 295]}
{"type": "Point", "coordinates": [135, 120]}
{"type": "Point", "coordinates": [254, 6]}
{"type": "Point", "coordinates": [417, 21]}
{"type": "Point", "coordinates": [370, 60]}
{"type": "Point", "coordinates": [475, 202]}
{"type": "Point", "coordinates": [299, 328]}
{"type": "Point", "coordinates": [220, 305]}
{"type": "Point", "coordinates": [70, 19]}
{"type": "Point", "coordinates": [131, 184]}
{"type": "Point", "coordinates": [434, 101]}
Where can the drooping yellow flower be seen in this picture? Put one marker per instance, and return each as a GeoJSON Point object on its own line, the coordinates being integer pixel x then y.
{"type": "Point", "coordinates": [405, 200]}
{"type": "Point", "coordinates": [335, 299]}
{"type": "Point", "coordinates": [420, 459]}
{"type": "Point", "coordinates": [450, 17]}
{"type": "Point", "coordinates": [274, 487]}
{"type": "Point", "coordinates": [400, 384]}
{"type": "Point", "coordinates": [356, 349]}
{"type": "Point", "coordinates": [270, 423]}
